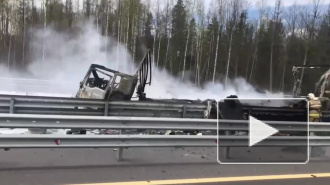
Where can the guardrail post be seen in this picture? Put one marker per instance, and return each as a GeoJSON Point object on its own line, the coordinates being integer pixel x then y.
{"type": "Point", "coordinates": [12, 104]}
{"type": "Point", "coordinates": [120, 149]}
{"type": "Point", "coordinates": [184, 111]}
{"type": "Point", "coordinates": [106, 108]}
{"type": "Point", "coordinates": [227, 148]}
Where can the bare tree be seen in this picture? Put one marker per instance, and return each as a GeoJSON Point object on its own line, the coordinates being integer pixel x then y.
{"type": "Point", "coordinates": [275, 22]}
{"type": "Point", "coordinates": [308, 23]}
{"type": "Point", "coordinates": [221, 19]}
{"type": "Point", "coordinates": [119, 31]}
{"type": "Point", "coordinates": [45, 25]}
{"type": "Point", "coordinates": [107, 22]}
{"type": "Point", "coordinates": [9, 49]}
{"type": "Point", "coordinates": [255, 54]}
{"type": "Point", "coordinates": [199, 45]}
{"type": "Point", "coordinates": [185, 54]}
{"type": "Point", "coordinates": [291, 16]}
{"type": "Point", "coordinates": [136, 28]}
{"type": "Point", "coordinates": [24, 25]}
{"type": "Point", "coordinates": [192, 8]}
{"type": "Point", "coordinates": [262, 14]}
{"type": "Point", "coordinates": [158, 30]}
{"type": "Point", "coordinates": [128, 27]}
{"type": "Point", "coordinates": [33, 23]}
{"type": "Point", "coordinates": [232, 21]}
{"type": "Point", "coordinates": [167, 32]}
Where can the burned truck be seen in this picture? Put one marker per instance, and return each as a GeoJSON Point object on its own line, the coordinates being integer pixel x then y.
{"type": "Point", "coordinates": [110, 85]}
{"type": "Point", "coordinates": [107, 84]}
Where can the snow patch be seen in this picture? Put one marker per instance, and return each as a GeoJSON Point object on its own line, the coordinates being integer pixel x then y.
{"type": "Point", "coordinates": [13, 131]}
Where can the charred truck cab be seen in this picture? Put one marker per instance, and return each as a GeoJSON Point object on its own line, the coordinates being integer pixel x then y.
{"type": "Point", "coordinates": [107, 84]}
{"type": "Point", "coordinates": [110, 85]}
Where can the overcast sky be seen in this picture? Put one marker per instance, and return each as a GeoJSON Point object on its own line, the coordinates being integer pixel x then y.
{"type": "Point", "coordinates": [253, 3]}
{"type": "Point", "coordinates": [256, 3]}
{"type": "Point", "coordinates": [287, 2]}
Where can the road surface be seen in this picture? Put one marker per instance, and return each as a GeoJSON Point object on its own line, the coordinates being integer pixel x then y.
{"type": "Point", "coordinates": [140, 165]}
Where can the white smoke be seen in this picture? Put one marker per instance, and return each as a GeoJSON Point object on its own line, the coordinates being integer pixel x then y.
{"type": "Point", "coordinates": [166, 86]}
{"type": "Point", "coordinates": [68, 56]}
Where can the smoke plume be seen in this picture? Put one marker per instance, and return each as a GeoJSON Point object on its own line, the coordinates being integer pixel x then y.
{"type": "Point", "coordinates": [61, 61]}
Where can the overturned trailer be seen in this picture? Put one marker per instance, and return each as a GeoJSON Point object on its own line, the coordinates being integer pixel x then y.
{"type": "Point", "coordinates": [171, 108]}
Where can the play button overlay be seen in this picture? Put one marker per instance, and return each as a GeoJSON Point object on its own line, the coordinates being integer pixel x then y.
{"type": "Point", "coordinates": [259, 131]}
{"type": "Point", "coordinates": [262, 131]}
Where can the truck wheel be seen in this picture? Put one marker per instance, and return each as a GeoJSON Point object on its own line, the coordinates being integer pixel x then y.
{"type": "Point", "coordinates": [77, 131]}
{"type": "Point", "coordinates": [83, 132]}
{"type": "Point", "coordinates": [117, 96]}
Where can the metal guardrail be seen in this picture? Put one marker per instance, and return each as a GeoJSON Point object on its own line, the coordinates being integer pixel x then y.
{"type": "Point", "coordinates": [36, 112]}
{"type": "Point", "coordinates": [97, 122]}
{"type": "Point", "coordinates": [127, 123]}
{"type": "Point", "coordinates": [17, 104]}
{"type": "Point", "coordinates": [88, 141]}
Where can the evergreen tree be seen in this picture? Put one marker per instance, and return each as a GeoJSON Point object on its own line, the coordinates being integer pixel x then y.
{"type": "Point", "coordinates": [179, 29]}
{"type": "Point", "coordinates": [147, 31]}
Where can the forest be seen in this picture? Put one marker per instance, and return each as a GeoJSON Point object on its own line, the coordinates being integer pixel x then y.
{"type": "Point", "coordinates": [191, 42]}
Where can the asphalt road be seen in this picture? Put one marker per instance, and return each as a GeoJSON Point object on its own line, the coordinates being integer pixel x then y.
{"type": "Point", "coordinates": [92, 166]}
{"type": "Point", "coordinates": [313, 181]}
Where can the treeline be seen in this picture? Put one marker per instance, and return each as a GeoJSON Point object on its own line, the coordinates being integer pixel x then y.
{"type": "Point", "coordinates": [222, 43]}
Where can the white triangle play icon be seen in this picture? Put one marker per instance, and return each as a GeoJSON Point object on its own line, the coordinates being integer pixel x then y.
{"type": "Point", "coordinates": [259, 131]}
